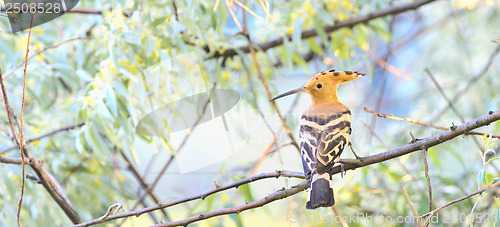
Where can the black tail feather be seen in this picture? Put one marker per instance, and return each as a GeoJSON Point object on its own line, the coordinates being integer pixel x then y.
{"type": "Point", "coordinates": [321, 194]}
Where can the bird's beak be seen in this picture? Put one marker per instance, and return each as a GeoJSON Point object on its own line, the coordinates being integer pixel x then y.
{"type": "Point", "coordinates": [298, 90]}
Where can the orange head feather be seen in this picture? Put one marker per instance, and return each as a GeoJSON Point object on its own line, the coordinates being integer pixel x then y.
{"type": "Point", "coordinates": [323, 86]}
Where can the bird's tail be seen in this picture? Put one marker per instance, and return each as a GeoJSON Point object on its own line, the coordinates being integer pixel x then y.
{"type": "Point", "coordinates": [321, 192]}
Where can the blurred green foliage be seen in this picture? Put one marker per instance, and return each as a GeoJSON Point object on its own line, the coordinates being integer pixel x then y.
{"type": "Point", "coordinates": [87, 80]}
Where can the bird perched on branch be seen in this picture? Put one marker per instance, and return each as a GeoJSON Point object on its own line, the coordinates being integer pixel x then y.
{"type": "Point", "coordinates": [324, 132]}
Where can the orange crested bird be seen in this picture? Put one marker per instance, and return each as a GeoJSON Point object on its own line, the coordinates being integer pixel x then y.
{"type": "Point", "coordinates": [325, 129]}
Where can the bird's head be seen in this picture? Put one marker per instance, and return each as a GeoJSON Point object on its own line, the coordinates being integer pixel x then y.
{"type": "Point", "coordinates": [323, 86]}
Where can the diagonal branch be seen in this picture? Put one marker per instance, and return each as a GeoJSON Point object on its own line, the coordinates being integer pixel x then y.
{"type": "Point", "coordinates": [143, 183]}
{"type": "Point", "coordinates": [410, 203]}
{"type": "Point", "coordinates": [51, 133]}
{"type": "Point", "coordinates": [150, 188]}
{"type": "Point", "coordinates": [46, 179]}
{"type": "Point", "coordinates": [350, 165]}
{"type": "Point", "coordinates": [392, 117]}
{"type": "Point", "coordinates": [391, 10]}
{"type": "Point", "coordinates": [268, 91]}
{"type": "Point", "coordinates": [18, 66]}
{"type": "Point", "coordinates": [490, 187]}
{"type": "Point", "coordinates": [236, 184]}
{"type": "Point", "coordinates": [420, 144]}
{"type": "Point", "coordinates": [472, 81]}
{"type": "Point", "coordinates": [236, 210]}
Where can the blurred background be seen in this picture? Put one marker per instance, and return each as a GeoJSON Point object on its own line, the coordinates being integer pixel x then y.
{"type": "Point", "coordinates": [104, 67]}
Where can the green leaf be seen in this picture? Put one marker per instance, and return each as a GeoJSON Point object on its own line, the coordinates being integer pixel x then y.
{"type": "Point", "coordinates": [78, 144]}
{"type": "Point", "coordinates": [480, 179]}
{"type": "Point", "coordinates": [209, 201]}
{"type": "Point", "coordinates": [396, 177]}
{"type": "Point", "coordinates": [111, 100]}
{"type": "Point", "coordinates": [435, 157]}
{"type": "Point", "coordinates": [315, 46]}
{"type": "Point", "coordinates": [246, 192]}
{"type": "Point", "coordinates": [488, 178]}
{"type": "Point", "coordinates": [300, 61]}
{"type": "Point", "coordinates": [321, 32]}
{"type": "Point", "coordinates": [84, 75]}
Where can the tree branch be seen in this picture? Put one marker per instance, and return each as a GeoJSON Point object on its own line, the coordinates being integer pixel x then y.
{"type": "Point", "coordinates": [392, 117]}
{"type": "Point", "coordinates": [236, 210]}
{"type": "Point", "coordinates": [46, 179]}
{"type": "Point", "coordinates": [51, 133]}
{"type": "Point", "coordinates": [351, 164]}
{"type": "Point", "coordinates": [420, 144]}
{"type": "Point", "coordinates": [18, 66]}
{"type": "Point", "coordinates": [472, 81]}
{"type": "Point", "coordinates": [236, 184]}
{"type": "Point", "coordinates": [268, 91]}
{"type": "Point", "coordinates": [391, 10]}
{"type": "Point", "coordinates": [410, 203]}
{"type": "Point", "coordinates": [461, 199]}
{"type": "Point", "coordinates": [16, 161]}
{"type": "Point", "coordinates": [143, 183]}
{"type": "Point", "coordinates": [427, 178]}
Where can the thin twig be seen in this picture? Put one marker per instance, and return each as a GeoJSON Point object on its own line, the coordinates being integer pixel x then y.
{"type": "Point", "coordinates": [392, 117]}
{"type": "Point", "coordinates": [410, 203]}
{"type": "Point", "coordinates": [113, 209]}
{"type": "Point", "coordinates": [441, 91]}
{"type": "Point", "coordinates": [368, 160]}
{"type": "Point", "coordinates": [46, 179]}
{"type": "Point", "coordinates": [176, 13]}
{"type": "Point", "coordinates": [384, 79]}
{"type": "Point", "coordinates": [141, 180]}
{"type": "Point", "coordinates": [33, 177]}
{"type": "Point", "coordinates": [22, 140]}
{"type": "Point", "coordinates": [265, 153]}
{"type": "Point", "coordinates": [427, 178]}
{"type": "Point", "coordinates": [41, 51]}
{"type": "Point", "coordinates": [391, 68]}
{"type": "Point", "coordinates": [75, 168]}
{"type": "Point", "coordinates": [450, 103]}
{"type": "Point", "coordinates": [171, 159]}
{"type": "Point", "coordinates": [470, 83]}
{"type": "Point", "coordinates": [281, 194]}
{"type": "Point", "coordinates": [268, 91]}
{"type": "Point", "coordinates": [236, 184]}
{"type": "Point", "coordinates": [16, 161]}
{"type": "Point", "coordinates": [339, 215]}
{"type": "Point", "coordinates": [50, 133]}
{"type": "Point", "coordinates": [430, 214]}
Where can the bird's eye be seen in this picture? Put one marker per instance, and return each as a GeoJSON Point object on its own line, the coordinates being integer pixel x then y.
{"type": "Point", "coordinates": [319, 85]}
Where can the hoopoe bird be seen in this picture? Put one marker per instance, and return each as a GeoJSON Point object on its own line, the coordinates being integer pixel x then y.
{"type": "Point", "coordinates": [325, 130]}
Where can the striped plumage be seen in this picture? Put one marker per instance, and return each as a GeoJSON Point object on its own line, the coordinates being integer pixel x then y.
{"type": "Point", "coordinates": [324, 132]}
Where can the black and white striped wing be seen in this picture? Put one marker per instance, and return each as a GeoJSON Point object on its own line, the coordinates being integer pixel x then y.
{"type": "Point", "coordinates": [309, 138]}
{"type": "Point", "coordinates": [323, 140]}
{"type": "Point", "coordinates": [334, 137]}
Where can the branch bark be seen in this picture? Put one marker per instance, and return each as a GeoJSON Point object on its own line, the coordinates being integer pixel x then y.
{"type": "Point", "coordinates": [236, 210]}
{"type": "Point", "coordinates": [350, 165]}
{"type": "Point", "coordinates": [391, 10]}
{"type": "Point", "coordinates": [198, 196]}
{"type": "Point", "coordinates": [51, 133]}
{"type": "Point", "coordinates": [46, 179]}
{"type": "Point", "coordinates": [420, 144]}
{"type": "Point", "coordinates": [461, 199]}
